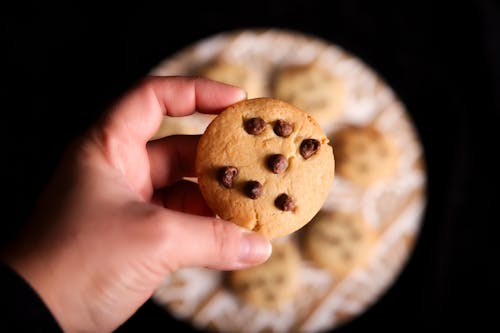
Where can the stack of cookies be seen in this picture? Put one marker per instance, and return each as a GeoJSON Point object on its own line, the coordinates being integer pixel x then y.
{"type": "Point", "coordinates": [337, 244]}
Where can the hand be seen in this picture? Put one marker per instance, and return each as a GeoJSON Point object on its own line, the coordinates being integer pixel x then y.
{"type": "Point", "coordinates": [117, 217]}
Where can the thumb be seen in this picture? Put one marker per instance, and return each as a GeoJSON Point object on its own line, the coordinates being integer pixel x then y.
{"type": "Point", "coordinates": [190, 240]}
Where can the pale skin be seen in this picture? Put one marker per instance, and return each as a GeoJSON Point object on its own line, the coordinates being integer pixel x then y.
{"type": "Point", "coordinates": [116, 218]}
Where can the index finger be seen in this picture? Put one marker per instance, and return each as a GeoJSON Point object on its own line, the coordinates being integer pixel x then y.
{"type": "Point", "coordinates": [138, 115]}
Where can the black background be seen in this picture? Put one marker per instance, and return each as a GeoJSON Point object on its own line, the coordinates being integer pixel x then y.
{"type": "Point", "coordinates": [61, 66]}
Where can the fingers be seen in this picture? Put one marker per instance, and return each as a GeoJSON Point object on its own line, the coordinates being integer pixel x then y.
{"type": "Point", "coordinates": [189, 240]}
{"type": "Point", "coordinates": [137, 116]}
{"type": "Point", "coordinates": [183, 196]}
{"type": "Point", "coordinates": [172, 158]}
{"type": "Point", "coordinates": [122, 134]}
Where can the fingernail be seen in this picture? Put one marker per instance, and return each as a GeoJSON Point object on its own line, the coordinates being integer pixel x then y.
{"type": "Point", "coordinates": [254, 249]}
{"type": "Point", "coordinates": [243, 94]}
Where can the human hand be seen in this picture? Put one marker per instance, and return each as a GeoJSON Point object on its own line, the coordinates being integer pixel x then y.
{"type": "Point", "coordinates": [117, 216]}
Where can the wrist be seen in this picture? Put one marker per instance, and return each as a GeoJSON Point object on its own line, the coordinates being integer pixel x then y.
{"type": "Point", "coordinates": [63, 300]}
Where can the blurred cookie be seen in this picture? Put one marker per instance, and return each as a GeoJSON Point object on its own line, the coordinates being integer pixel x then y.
{"type": "Point", "coordinates": [337, 241]}
{"type": "Point", "coordinates": [272, 284]}
{"type": "Point", "coordinates": [265, 165]}
{"type": "Point", "coordinates": [311, 88]}
{"type": "Point", "coordinates": [364, 154]}
{"type": "Point", "coordinates": [193, 124]}
{"type": "Point", "coordinates": [235, 74]}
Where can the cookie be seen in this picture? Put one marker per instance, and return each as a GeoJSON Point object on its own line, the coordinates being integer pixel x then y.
{"type": "Point", "coordinates": [235, 74]}
{"type": "Point", "coordinates": [364, 155]}
{"type": "Point", "coordinates": [311, 88]}
{"type": "Point", "coordinates": [265, 165]}
{"type": "Point", "coordinates": [272, 284]}
{"type": "Point", "coordinates": [337, 241]}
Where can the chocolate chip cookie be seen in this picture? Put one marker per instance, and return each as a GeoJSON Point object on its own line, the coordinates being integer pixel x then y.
{"type": "Point", "coordinates": [364, 155]}
{"type": "Point", "coordinates": [272, 284]}
{"type": "Point", "coordinates": [265, 165]}
{"type": "Point", "coordinates": [235, 74]}
{"type": "Point", "coordinates": [312, 89]}
{"type": "Point", "coordinates": [337, 241]}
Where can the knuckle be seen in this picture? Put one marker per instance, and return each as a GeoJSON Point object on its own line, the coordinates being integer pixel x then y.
{"type": "Point", "coordinates": [160, 239]}
{"type": "Point", "coordinates": [223, 240]}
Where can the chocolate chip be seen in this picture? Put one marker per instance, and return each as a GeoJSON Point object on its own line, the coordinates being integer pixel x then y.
{"type": "Point", "coordinates": [285, 202]}
{"type": "Point", "coordinates": [363, 167]}
{"type": "Point", "coordinates": [283, 128]}
{"type": "Point", "coordinates": [260, 282]}
{"type": "Point", "coordinates": [226, 176]}
{"type": "Point", "coordinates": [346, 255]}
{"type": "Point", "coordinates": [331, 239]}
{"type": "Point", "coordinates": [279, 279]}
{"type": "Point", "coordinates": [254, 126]}
{"type": "Point", "coordinates": [334, 240]}
{"type": "Point", "coordinates": [278, 255]}
{"type": "Point", "coordinates": [355, 235]}
{"type": "Point", "coordinates": [277, 163]}
{"type": "Point", "coordinates": [243, 287]}
{"type": "Point", "coordinates": [360, 148]}
{"type": "Point", "coordinates": [253, 189]}
{"type": "Point", "coordinates": [270, 296]}
{"type": "Point", "coordinates": [308, 148]}
{"type": "Point", "coordinates": [382, 151]}
{"type": "Point", "coordinates": [344, 222]}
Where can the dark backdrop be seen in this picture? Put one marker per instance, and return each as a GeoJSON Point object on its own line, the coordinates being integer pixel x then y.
{"type": "Point", "coordinates": [61, 66]}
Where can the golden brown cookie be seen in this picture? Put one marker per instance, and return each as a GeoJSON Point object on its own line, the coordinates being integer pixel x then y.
{"type": "Point", "coordinates": [364, 154]}
{"type": "Point", "coordinates": [311, 88]}
{"type": "Point", "coordinates": [272, 284]}
{"type": "Point", "coordinates": [337, 241]}
{"type": "Point", "coordinates": [265, 165]}
{"type": "Point", "coordinates": [235, 74]}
